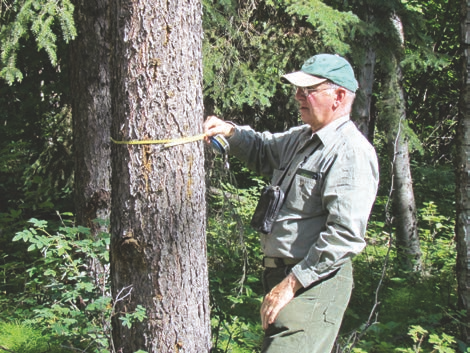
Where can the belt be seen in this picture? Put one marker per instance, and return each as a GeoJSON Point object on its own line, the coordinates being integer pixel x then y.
{"type": "Point", "coordinates": [275, 262]}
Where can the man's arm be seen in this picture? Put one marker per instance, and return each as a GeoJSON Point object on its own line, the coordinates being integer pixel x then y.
{"type": "Point", "coordinates": [260, 151]}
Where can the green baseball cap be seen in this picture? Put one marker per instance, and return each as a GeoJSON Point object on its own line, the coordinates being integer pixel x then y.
{"type": "Point", "coordinates": [322, 67]}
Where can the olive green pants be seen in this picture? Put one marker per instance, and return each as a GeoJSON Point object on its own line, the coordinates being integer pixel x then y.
{"type": "Point", "coordinates": [310, 322]}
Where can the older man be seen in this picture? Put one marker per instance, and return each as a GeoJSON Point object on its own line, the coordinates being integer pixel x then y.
{"type": "Point", "coordinates": [330, 179]}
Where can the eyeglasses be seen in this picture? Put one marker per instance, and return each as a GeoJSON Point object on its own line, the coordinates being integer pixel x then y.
{"type": "Point", "coordinates": [308, 90]}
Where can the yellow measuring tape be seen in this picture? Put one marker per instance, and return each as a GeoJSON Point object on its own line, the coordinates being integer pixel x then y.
{"type": "Point", "coordinates": [165, 143]}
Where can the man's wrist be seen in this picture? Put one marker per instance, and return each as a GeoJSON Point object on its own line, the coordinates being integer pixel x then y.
{"type": "Point", "coordinates": [294, 283]}
{"type": "Point", "coordinates": [231, 130]}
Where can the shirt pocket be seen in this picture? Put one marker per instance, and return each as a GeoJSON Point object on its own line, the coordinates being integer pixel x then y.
{"type": "Point", "coordinates": [305, 194]}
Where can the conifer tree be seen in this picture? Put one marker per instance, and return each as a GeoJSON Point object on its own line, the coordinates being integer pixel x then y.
{"type": "Point", "coordinates": [158, 249]}
{"type": "Point", "coordinates": [37, 18]}
{"type": "Point", "coordinates": [91, 111]}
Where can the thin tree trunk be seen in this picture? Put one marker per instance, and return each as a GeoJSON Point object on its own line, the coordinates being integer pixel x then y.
{"type": "Point", "coordinates": [91, 109]}
{"type": "Point", "coordinates": [462, 229]}
{"type": "Point", "coordinates": [404, 209]}
{"type": "Point", "coordinates": [158, 249]}
{"type": "Point", "coordinates": [404, 206]}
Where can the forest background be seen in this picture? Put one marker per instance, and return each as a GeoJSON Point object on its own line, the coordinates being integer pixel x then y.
{"type": "Point", "coordinates": [405, 296]}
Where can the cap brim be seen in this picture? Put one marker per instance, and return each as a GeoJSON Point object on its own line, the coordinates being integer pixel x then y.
{"type": "Point", "coordinates": [302, 79]}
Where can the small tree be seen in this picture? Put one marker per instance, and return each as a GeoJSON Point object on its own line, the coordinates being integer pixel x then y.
{"type": "Point", "coordinates": [393, 122]}
{"type": "Point", "coordinates": [404, 205]}
{"type": "Point", "coordinates": [462, 164]}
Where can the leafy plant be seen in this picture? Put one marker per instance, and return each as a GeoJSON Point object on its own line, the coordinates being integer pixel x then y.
{"type": "Point", "coordinates": [138, 315]}
{"type": "Point", "coordinates": [440, 343]}
{"type": "Point", "coordinates": [58, 296]}
{"type": "Point", "coordinates": [420, 306]}
{"type": "Point", "coordinates": [234, 267]}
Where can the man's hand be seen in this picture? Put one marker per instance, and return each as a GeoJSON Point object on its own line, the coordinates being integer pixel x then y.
{"type": "Point", "coordinates": [275, 300]}
{"type": "Point", "coordinates": [215, 126]}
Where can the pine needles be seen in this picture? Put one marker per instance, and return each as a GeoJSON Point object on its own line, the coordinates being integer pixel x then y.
{"type": "Point", "coordinates": [45, 20]}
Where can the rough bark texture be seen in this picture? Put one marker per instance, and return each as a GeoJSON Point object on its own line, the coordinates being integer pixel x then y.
{"type": "Point", "coordinates": [158, 195]}
{"type": "Point", "coordinates": [463, 181]}
{"type": "Point", "coordinates": [91, 109]}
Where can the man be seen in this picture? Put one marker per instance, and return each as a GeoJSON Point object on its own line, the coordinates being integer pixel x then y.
{"type": "Point", "coordinates": [330, 180]}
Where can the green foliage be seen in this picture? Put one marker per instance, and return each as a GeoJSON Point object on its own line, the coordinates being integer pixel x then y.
{"type": "Point", "coordinates": [41, 18]}
{"type": "Point", "coordinates": [236, 336]}
{"type": "Point", "coordinates": [234, 256]}
{"type": "Point", "coordinates": [23, 337]}
{"type": "Point", "coordinates": [435, 343]}
{"type": "Point", "coordinates": [138, 315]}
{"type": "Point", "coordinates": [36, 164]}
{"type": "Point", "coordinates": [54, 292]}
{"type": "Point", "coordinates": [433, 82]}
{"type": "Point", "coordinates": [405, 302]}
{"type": "Point", "coordinates": [441, 343]}
{"type": "Point", "coordinates": [333, 26]}
{"type": "Point", "coordinates": [423, 306]}
{"type": "Point", "coordinates": [247, 47]}
{"type": "Point", "coordinates": [233, 80]}
{"type": "Point", "coordinates": [57, 295]}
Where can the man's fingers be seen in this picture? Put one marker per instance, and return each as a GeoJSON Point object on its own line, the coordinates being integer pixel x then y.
{"type": "Point", "coordinates": [269, 317]}
{"type": "Point", "coordinates": [264, 313]}
{"type": "Point", "coordinates": [215, 126]}
{"type": "Point", "coordinates": [269, 311]}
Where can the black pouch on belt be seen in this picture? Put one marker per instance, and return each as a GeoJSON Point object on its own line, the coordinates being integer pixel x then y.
{"type": "Point", "coordinates": [268, 207]}
{"type": "Point", "coordinates": [272, 198]}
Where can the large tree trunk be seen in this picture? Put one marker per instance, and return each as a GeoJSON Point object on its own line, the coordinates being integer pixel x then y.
{"type": "Point", "coordinates": [463, 167]}
{"type": "Point", "coordinates": [91, 109]}
{"type": "Point", "coordinates": [158, 249]}
{"type": "Point", "coordinates": [404, 206]}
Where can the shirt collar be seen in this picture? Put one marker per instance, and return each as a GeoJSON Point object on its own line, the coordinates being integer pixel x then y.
{"type": "Point", "coordinates": [327, 133]}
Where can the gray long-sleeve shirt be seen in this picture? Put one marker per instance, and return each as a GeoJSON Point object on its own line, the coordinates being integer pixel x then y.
{"type": "Point", "coordinates": [334, 179]}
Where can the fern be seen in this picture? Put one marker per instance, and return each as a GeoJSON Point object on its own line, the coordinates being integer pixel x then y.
{"type": "Point", "coordinates": [22, 337]}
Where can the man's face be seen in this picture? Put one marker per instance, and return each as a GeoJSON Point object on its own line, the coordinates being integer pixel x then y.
{"type": "Point", "coordinates": [317, 105]}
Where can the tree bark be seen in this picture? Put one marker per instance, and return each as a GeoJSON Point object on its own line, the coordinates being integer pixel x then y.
{"type": "Point", "coordinates": [362, 104]}
{"type": "Point", "coordinates": [404, 209]}
{"type": "Point", "coordinates": [404, 205]}
{"type": "Point", "coordinates": [91, 110]}
{"type": "Point", "coordinates": [462, 229]}
{"type": "Point", "coordinates": [158, 247]}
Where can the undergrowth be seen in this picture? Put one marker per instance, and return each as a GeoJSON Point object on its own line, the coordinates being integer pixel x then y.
{"type": "Point", "coordinates": [50, 303]}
